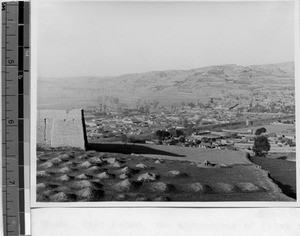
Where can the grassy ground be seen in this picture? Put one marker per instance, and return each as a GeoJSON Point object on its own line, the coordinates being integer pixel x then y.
{"type": "Point", "coordinates": [286, 129]}
{"type": "Point", "coordinates": [289, 156]}
{"type": "Point", "coordinates": [74, 176]}
{"type": "Point", "coordinates": [176, 152]}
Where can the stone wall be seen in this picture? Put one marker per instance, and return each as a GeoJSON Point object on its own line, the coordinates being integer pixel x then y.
{"type": "Point", "coordinates": [59, 128]}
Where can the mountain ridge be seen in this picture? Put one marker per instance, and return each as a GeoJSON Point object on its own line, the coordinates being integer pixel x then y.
{"type": "Point", "coordinates": [167, 70]}
{"type": "Point", "coordinates": [168, 87]}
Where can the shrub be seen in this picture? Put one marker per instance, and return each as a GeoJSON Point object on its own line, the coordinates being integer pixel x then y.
{"type": "Point", "coordinates": [124, 138]}
{"type": "Point", "coordinates": [135, 140]}
{"type": "Point", "coordinates": [182, 139]}
{"type": "Point", "coordinates": [179, 133]}
{"type": "Point", "coordinates": [162, 134]}
{"type": "Point", "coordinates": [158, 134]}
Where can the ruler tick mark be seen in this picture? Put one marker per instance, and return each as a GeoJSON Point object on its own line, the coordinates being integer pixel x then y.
{"type": "Point", "coordinates": [12, 18]}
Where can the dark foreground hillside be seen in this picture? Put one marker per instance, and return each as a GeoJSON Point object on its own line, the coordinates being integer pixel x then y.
{"type": "Point", "coordinates": [281, 171]}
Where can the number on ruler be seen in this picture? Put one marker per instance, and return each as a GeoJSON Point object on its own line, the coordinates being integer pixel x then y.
{"type": "Point", "coordinates": [12, 182]}
{"type": "Point", "coordinates": [3, 6]}
{"type": "Point", "coordinates": [11, 61]}
{"type": "Point", "coordinates": [10, 122]}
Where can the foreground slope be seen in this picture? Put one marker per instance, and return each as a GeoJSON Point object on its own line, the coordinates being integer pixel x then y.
{"type": "Point", "coordinates": [67, 176]}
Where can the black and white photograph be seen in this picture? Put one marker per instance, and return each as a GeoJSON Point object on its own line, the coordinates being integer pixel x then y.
{"type": "Point", "coordinates": [170, 102]}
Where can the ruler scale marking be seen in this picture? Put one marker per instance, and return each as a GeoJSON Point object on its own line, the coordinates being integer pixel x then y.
{"type": "Point", "coordinates": [15, 89]}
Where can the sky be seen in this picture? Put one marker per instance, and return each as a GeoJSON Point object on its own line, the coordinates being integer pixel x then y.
{"type": "Point", "coordinates": [109, 39]}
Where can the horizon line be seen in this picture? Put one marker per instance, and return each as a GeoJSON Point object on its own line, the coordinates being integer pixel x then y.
{"type": "Point", "coordinates": [151, 71]}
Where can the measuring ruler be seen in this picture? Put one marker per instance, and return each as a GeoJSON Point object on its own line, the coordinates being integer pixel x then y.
{"type": "Point", "coordinates": [15, 84]}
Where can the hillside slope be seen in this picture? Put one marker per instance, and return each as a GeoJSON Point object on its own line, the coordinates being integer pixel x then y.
{"type": "Point", "coordinates": [168, 87]}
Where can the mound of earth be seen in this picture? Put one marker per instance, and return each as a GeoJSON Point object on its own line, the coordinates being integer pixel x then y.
{"type": "Point", "coordinates": [104, 175]}
{"type": "Point", "coordinates": [92, 169]}
{"type": "Point", "coordinates": [56, 161]}
{"type": "Point", "coordinates": [141, 166]}
{"type": "Point", "coordinates": [45, 165]}
{"type": "Point", "coordinates": [162, 199]}
{"type": "Point", "coordinates": [248, 187]}
{"type": "Point", "coordinates": [147, 177]}
{"type": "Point", "coordinates": [96, 176]}
{"type": "Point", "coordinates": [63, 197]}
{"type": "Point", "coordinates": [176, 173]}
{"type": "Point", "coordinates": [40, 186]}
{"type": "Point", "coordinates": [162, 187]}
{"type": "Point", "coordinates": [42, 173]}
{"type": "Point", "coordinates": [158, 162]}
{"type": "Point", "coordinates": [200, 188]}
{"type": "Point", "coordinates": [64, 178]}
{"type": "Point", "coordinates": [90, 193]}
{"type": "Point", "coordinates": [64, 157]}
{"type": "Point", "coordinates": [225, 188]}
{"type": "Point", "coordinates": [124, 176]}
{"type": "Point", "coordinates": [123, 186]}
{"type": "Point", "coordinates": [85, 164]}
{"type": "Point", "coordinates": [96, 160]}
{"type": "Point", "coordinates": [81, 184]}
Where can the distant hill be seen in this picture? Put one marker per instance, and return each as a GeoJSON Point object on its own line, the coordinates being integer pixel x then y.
{"type": "Point", "coordinates": [168, 87]}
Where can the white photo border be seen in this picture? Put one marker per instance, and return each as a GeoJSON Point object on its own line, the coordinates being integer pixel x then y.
{"type": "Point", "coordinates": [109, 204]}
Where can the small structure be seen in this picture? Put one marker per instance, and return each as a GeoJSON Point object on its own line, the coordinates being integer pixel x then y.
{"type": "Point", "coordinates": [59, 128]}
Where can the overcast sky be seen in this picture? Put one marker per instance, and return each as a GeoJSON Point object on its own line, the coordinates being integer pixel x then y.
{"type": "Point", "coordinates": [99, 39]}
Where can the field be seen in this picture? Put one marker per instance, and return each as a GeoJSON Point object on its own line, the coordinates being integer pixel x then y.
{"type": "Point", "coordinates": [284, 129]}
{"type": "Point", "coordinates": [69, 176]}
{"type": "Point", "coordinates": [289, 156]}
{"type": "Point", "coordinates": [175, 152]}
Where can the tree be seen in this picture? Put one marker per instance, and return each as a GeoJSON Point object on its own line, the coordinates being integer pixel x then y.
{"type": "Point", "coordinates": [172, 141]}
{"type": "Point", "coordinates": [182, 139]}
{"type": "Point", "coordinates": [185, 123]}
{"type": "Point", "coordinates": [260, 131]}
{"type": "Point", "coordinates": [179, 133]}
{"type": "Point", "coordinates": [261, 146]}
{"type": "Point", "coordinates": [191, 104]}
{"type": "Point", "coordinates": [124, 138]}
{"type": "Point", "coordinates": [158, 134]}
{"type": "Point", "coordinates": [165, 134]}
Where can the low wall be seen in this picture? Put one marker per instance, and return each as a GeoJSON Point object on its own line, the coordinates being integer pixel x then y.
{"type": "Point", "coordinates": [58, 128]}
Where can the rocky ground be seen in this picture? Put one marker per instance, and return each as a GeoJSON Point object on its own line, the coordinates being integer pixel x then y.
{"type": "Point", "coordinates": [69, 176]}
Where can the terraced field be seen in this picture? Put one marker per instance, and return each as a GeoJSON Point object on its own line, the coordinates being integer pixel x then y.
{"type": "Point", "coordinates": [69, 176]}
